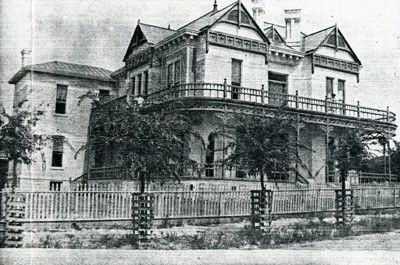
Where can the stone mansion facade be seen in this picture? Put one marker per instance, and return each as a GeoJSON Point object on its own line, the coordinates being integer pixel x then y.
{"type": "Point", "coordinates": [224, 63]}
{"type": "Point", "coordinates": [221, 63]}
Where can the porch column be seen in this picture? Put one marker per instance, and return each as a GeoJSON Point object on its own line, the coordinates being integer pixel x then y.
{"type": "Point", "coordinates": [327, 129]}
{"type": "Point", "coordinates": [299, 126]}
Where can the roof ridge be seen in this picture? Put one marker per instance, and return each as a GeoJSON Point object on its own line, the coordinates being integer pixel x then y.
{"type": "Point", "coordinates": [207, 14]}
{"type": "Point", "coordinates": [156, 26]}
{"type": "Point", "coordinates": [319, 31]}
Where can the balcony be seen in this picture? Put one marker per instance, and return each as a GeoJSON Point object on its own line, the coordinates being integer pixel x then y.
{"type": "Point", "coordinates": [261, 97]}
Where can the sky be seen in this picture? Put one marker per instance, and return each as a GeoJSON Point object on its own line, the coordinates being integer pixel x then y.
{"type": "Point", "coordinates": [97, 32]}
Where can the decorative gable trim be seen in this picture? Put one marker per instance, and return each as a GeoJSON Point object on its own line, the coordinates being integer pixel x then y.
{"type": "Point", "coordinates": [138, 38]}
{"type": "Point", "coordinates": [236, 42]}
{"type": "Point", "coordinates": [252, 23]}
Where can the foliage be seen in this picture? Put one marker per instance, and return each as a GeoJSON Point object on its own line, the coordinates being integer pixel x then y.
{"type": "Point", "coordinates": [263, 145]}
{"type": "Point", "coordinates": [17, 140]}
{"type": "Point", "coordinates": [350, 151]}
{"type": "Point", "coordinates": [154, 144]}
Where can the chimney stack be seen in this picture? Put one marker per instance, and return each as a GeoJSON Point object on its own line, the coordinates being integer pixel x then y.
{"type": "Point", "coordinates": [292, 19]}
{"type": "Point", "coordinates": [26, 57]}
{"type": "Point", "coordinates": [258, 9]}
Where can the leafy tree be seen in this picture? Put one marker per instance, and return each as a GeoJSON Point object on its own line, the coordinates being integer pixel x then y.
{"type": "Point", "coordinates": [350, 151]}
{"type": "Point", "coordinates": [262, 145]}
{"type": "Point", "coordinates": [153, 144]}
{"type": "Point", "coordinates": [17, 140]}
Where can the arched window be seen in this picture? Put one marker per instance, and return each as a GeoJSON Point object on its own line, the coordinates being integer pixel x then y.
{"type": "Point", "coordinates": [234, 17]}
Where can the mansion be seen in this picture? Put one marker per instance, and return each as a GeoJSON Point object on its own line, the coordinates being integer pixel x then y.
{"type": "Point", "coordinates": [224, 62]}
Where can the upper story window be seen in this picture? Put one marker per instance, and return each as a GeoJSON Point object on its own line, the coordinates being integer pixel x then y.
{"type": "Point", "coordinates": [341, 90]}
{"type": "Point", "coordinates": [146, 83]}
{"type": "Point", "coordinates": [329, 87]}
{"type": "Point", "coordinates": [174, 73]}
{"type": "Point", "coordinates": [61, 99]}
{"type": "Point", "coordinates": [234, 17]}
{"type": "Point", "coordinates": [133, 85]}
{"type": "Point", "coordinates": [277, 84]}
{"type": "Point", "coordinates": [58, 150]}
{"type": "Point", "coordinates": [139, 85]}
{"type": "Point", "coordinates": [236, 78]}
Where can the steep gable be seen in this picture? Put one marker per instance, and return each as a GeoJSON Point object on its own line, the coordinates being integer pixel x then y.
{"type": "Point", "coordinates": [330, 37]}
{"type": "Point", "coordinates": [238, 16]}
{"type": "Point", "coordinates": [273, 35]}
{"type": "Point", "coordinates": [145, 33]}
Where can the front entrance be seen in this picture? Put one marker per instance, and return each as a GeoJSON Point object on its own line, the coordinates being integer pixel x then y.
{"type": "Point", "coordinates": [277, 89]}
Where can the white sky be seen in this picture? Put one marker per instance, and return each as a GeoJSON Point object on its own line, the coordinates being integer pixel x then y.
{"type": "Point", "coordinates": [97, 32]}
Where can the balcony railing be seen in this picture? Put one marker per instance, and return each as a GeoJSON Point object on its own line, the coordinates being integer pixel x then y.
{"type": "Point", "coordinates": [225, 91]}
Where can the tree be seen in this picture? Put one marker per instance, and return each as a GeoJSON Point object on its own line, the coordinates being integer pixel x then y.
{"type": "Point", "coordinates": [17, 140]}
{"type": "Point", "coordinates": [263, 145]}
{"type": "Point", "coordinates": [350, 151]}
{"type": "Point", "coordinates": [153, 144]}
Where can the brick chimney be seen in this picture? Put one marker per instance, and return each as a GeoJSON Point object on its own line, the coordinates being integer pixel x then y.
{"type": "Point", "coordinates": [26, 57]}
{"type": "Point", "coordinates": [292, 19]}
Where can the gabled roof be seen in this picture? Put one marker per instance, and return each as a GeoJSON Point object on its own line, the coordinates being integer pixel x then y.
{"type": "Point", "coordinates": [65, 69]}
{"type": "Point", "coordinates": [275, 33]}
{"type": "Point", "coordinates": [151, 33]}
{"type": "Point", "coordinates": [314, 40]}
{"type": "Point", "coordinates": [280, 29]}
{"type": "Point", "coordinates": [155, 34]}
{"type": "Point", "coordinates": [211, 18]}
{"type": "Point", "coordinates": [208, 19]}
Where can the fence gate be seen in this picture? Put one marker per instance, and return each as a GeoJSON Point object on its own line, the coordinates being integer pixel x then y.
{"type": "Point", "coordinates": [15, 213]}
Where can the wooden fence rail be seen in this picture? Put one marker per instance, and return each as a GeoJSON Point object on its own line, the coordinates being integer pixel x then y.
{"type": "Point", "coordinates": [117, 205]}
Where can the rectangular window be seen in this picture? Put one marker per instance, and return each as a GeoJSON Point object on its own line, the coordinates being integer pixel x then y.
{"type": "Point", "coordinates": [55, 185]}
{"type": "Point", "coordinates": [139, 86]}
{"type": "Point", "coordinates": [170, 75]}
{"type": "Point", "coordinates": [146, 83]}
{"type": "Point", "coordinates": [177, 77]}
{"type": "Point", "coordinates": [133, 85]}
{"type": "Point", "coordinates": [341, 90]}
{"type": "Point", "coordinates": [236, 78]}
{"type": "Point", "coordinates": [58, 149]}
{"type": "Point", "coordinates": [277, 88]}
{"type": "Point", "coordinates": [104, 95]}
{"type": "Point", "coordinates": [329, 87]}
{"type": "Point", "coordinates": [61, 99]}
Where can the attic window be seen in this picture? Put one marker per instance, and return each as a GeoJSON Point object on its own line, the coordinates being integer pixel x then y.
{"type": "Point", "coordinates": [341, 42]}
{"type": "Point", "coordinates": [234, 17]}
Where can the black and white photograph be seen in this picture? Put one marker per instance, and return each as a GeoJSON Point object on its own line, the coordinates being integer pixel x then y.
{"type": "Point", "coordinates": [199, 132]}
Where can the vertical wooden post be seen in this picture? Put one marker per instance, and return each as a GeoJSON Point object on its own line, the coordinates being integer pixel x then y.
{"type": "Point", "coordinates": [326, 104]}
{"type": "Point", "coordinates": [358, 109]}
{"type": "Point", "coordinates": [225, 88]}
{"type": "Point", "coordinates": [262, 94]}
{"type": "Point", "coordinates": [297, 99]}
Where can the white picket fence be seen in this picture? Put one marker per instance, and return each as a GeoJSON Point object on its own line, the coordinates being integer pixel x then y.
{"type": "Point", "coordinates": [117, 205]}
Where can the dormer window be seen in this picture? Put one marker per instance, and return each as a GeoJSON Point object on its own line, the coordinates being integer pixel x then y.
{"type": "Point", "coordinates": [234, 17]}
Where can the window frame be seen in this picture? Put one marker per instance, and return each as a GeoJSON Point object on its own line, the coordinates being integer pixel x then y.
{"type": "Point", "coordinates": [61, 101]}
{"type": "Point", "coordinates": [331, 79]}
{"type": "Point", "coordinates": [146, 83]}
{"type": "Point", "coordinates": [57, 153]}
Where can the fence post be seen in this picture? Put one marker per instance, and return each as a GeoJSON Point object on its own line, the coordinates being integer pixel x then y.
{"type": "Point", "coordinates": [261, 208]}
{"type": "Point", "coordinates": [344, 206]}
{"type": "Point", "coordinates": [143, 215]}
{"type": "Point", "coordinates": [219, 205]}
{"type": "Point", "coordinates": [15, 207]}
